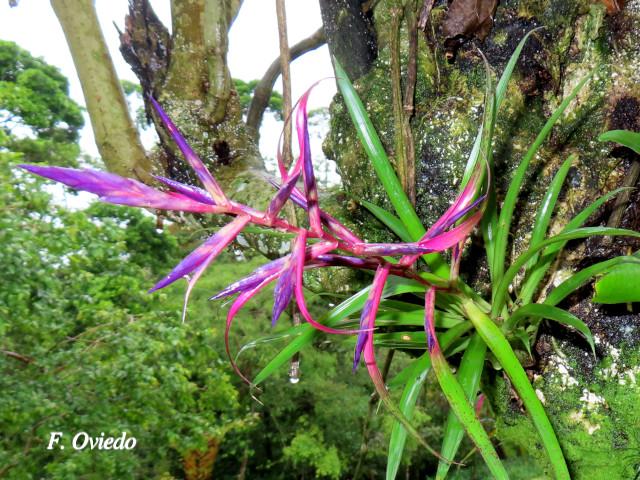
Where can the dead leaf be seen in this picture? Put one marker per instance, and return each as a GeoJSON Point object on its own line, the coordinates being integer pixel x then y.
{"type": "Point", "coordinates": [613, 6]}
{"type": "Point", "coordinates": [467, 19]}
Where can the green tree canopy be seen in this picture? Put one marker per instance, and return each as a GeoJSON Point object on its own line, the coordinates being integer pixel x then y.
{"type": "Point", "coordinates": [36, 114]}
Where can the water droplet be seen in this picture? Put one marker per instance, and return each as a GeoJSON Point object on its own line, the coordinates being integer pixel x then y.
{"type": "Point", "coordinates": [294, 372]}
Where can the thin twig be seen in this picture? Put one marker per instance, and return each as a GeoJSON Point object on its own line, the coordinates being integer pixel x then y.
{"type": "Point", "coordinates": [396, 96]}
{"type": "Point", "coordinates": [412, 63]}
{"type": "Point", "coordinates": [263, 90]}
{"type": "Point", "coordinates": [409, 94]}
{"type": "Point", "coordinates": [18, 356]}
{"type": "Point", "coordinates": [285, 60]}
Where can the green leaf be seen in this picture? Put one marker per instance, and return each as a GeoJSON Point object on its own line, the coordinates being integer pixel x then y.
{"type": "Point", "coordinates": [481, 149]}
{"type": "Point", "coordinates": [383, 168]}
{"type": "Point", "coordinates": [392, 222]}
{"type": "Point", "coordinates": [466, 415]}
{"type": "Point", "coordinates": [502, 288]}
{"type": "Point", "coordinates": [509, 204]}
{"type": "Point", "coordinates": [489, 221]}
{"type": "Point", "coordinates": [499, 345]}
{"type": "Point", "coordinates": [623, 137]}
{"type": "Point", "coordinates": [543, 216]}
{"type": "Point", "coordinates": [538, 272]}
{"type": "Point", "coordinates": [620, 285]}
{"type": "Point", "coordinates": [552, 313]}
{"type": "Point", "coordinates": [394, 286]}
{"type": "Point", "coordinates": [407, 406]}
{"type": "Point", "coordinates": [468, 375]}
{"type": "Point", "coordinates": [409, 318]}
{"type": "Point", "coordinates": [415, 340]}
{"type": "Point", "coordinates": [411, 377]}
{"type": "Point", "coordinates": [501, 88]}
{"type": "Point", "coordinates": [583, 276]}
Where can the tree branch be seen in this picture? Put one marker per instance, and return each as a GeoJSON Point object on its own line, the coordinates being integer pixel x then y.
{"type": "Point", "coordinates": [18, 356]}
{"type": "Point", "coordinates": [285, 60]}
{"type": "Point", "coordinates": [263, 90]}
{"type": "Point", "coordinates": [116, 136]}
{"type": "Point", "coordinates": [409, 99]}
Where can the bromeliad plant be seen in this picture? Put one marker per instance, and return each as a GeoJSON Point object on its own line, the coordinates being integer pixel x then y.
{"type": "Point", "coordinates": [455, 318]}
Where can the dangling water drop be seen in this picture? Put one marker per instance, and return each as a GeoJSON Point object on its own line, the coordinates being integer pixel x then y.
{"type": "Point", "coordinates": [294, 372]}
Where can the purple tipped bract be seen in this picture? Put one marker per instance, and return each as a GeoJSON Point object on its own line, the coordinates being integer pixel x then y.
{"type": "Point", "coordinates": [195, 193]}
{"type": "Point", "coordinates": [190, 156]}
{"type": "Point", "coordinates": [113, 188]}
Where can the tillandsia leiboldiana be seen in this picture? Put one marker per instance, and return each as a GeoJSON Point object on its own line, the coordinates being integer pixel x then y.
{"type": "Point", "coordinates": [325, 243]}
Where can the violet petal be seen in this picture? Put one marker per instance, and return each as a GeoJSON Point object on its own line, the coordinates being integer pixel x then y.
{"type": "Point", "coordinates": [197, 194]}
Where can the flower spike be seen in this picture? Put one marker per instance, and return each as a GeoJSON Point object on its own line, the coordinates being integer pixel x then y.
{"type": "Point", "coordinates": [195, 193]}
{"type": "Point", "coordinates": [334, 226]}
{"type": "Point", "coordinates": [282, 196]}
{"type": "Point", "coordinates": [302, 304]}
{"type": "Point", "coordinates": [369, 311]}
{"type": "Point", "coordinates": [284, 288]}
{"type": "Point", "coordinates": [190, 156]}
{"type": "Point", "coordinates": [112, 188]}
{"type": "Point", "coordinates": [310, 187]}
{"type": "Point", "coordinates": [333, 244]}
{"type": "Point", "coordinates": [238, 304]}
{"type": "Point", "coordinates": [250, 281]}
{"type": "Point", "coordinates": [429, 322]}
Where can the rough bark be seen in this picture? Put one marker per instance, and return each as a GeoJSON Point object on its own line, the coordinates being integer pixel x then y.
{"type": "Point", "coordinates": [348, 25]}
{"type": "Point", "coordinates": [116, 136]}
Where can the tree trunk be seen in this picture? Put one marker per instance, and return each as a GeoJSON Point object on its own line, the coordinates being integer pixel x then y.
{"type": "Point", "coordinates": [348, 26]}
{"type": "Point", "coordinates": [116, 135]}
{"type": "Point", "coordinates": [198, 465]}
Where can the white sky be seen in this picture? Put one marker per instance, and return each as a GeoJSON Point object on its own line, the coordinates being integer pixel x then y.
{"type": "Point", "coordinates": [253, 45]}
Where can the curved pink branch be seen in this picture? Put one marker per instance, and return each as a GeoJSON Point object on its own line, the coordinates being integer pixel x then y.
{"type": "Point", "coordinates": [302, 304]}
{"type": "Point", "coordinates": [237, 305]}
